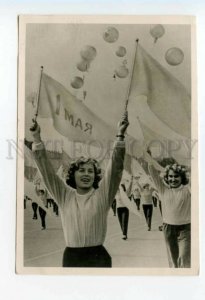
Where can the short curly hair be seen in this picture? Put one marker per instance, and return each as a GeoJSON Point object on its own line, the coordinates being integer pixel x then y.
{"type": "Point", "coordinates": [75, 165]}
{"type": "Point", "coordinates": [178, 169]}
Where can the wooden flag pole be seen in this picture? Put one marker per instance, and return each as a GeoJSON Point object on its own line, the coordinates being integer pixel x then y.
{"type": "Point", "coordinates": [129, 86]}
{"type": "Point", "coordinates": [38, 95]}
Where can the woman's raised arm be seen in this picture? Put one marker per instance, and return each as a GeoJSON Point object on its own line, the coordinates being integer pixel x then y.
{"type": "Point", "coordinates": [53, 183]}
{"type": "Point", "coordinates": [113, 174]}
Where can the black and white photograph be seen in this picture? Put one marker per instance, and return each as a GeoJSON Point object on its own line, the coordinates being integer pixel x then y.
{"type": "Point", "coordinates": [107, 175]}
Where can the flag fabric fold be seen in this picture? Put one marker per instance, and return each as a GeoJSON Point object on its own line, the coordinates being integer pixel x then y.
{"type": "Point", "coordinates": [180, 150]}
{"type": "Point", "coordinates": [166, 96]}
{"type": "Point", "coordinates": [71, 117]}
{"type": "Point", "coordinates": [57, 160]}
{"type": "Point", "coordinates": [74, 120]}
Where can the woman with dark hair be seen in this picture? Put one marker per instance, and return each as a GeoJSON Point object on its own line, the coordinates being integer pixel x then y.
{"type": "Point", "coordinates": [71, 179]}
{"type": "Point", "coordinates": [84, 202]}
{"type": "Point", "coordinates": [174, 191]}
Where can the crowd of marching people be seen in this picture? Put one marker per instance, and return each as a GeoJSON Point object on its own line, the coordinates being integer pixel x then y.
{"type": "Point", "coordinates": [41, 206]}
{"type": "Point", "coordinates": [85, 198]}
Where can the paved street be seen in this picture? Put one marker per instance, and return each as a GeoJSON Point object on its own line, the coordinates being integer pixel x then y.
{"type": "Point", "coordinates": [143, 249]}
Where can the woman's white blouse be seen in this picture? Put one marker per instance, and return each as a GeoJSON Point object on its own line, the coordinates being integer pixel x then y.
{"type": "Point", "coordinates": [176, 202]}
{"type": "Point", "coordinates": [84, 217]}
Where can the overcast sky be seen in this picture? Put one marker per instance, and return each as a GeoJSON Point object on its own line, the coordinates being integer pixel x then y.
{"type": "Point", "coordinates": [57, 47]}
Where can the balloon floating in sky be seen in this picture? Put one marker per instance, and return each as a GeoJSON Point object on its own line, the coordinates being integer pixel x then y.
{"type": "Point", "coordinates": [157, 31]}
{"type": "Point", "coordinates": [122, 71]}
{"type": "Point", "coordinates": [88, 53]}
{"type": "Point", "coordinates": [77, 82]}
{"type": "Point", "coordinates": [83, 65]}
{"type": "Point", "coordinates": [174, 56]}
{"type": "Point", "coordinates": [121, 51]}
{"type": "Point", "coordinates": [111, 35]}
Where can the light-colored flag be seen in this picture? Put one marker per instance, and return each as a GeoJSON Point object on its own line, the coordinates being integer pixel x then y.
{"type": "Point", "coordinates": [127, 164]}
{"type": "Point", "coordinates": [74, 120]}
{"type": "Point", "coordinates": [66, 159]}
{"type": "Point", "coordinates": [133, 167]}
{"type": "Point", "coordinates": [180, 149]}
{"type": "Point", "coordinates": [55, 158]}
{"type": "Point", "coordinates": [166, 96]}
{"type": "Point", "coordinates": [28, 158]}
{"type": "Point", "coordinates": [71, 117]}
{"type": "Point", "coordinates": [31, 170]}
{"type": "Point", "coordinates": [63, 172]}
{"type": "Point", "coordinates": [137, 169]}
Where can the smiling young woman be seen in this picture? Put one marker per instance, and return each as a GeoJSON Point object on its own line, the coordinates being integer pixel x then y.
{"type": "Point", "coordinates": [174, 179]}
{"type": "Point", "coordinates": [83, 174]}
{"type": "Point", "coordinates": [85, 201]}
{"type": "Point", "coordinates": [175, 194]}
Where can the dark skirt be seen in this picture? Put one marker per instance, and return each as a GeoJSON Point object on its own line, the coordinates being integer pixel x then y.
{"type": "Point", "coordinates": [87, 257]}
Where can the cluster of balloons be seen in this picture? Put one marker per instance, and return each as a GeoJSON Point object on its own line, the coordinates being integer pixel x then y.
{"type": "Point", "coordinates": [88, 53]}
{"type": "Point", "coordinates": [173, 56]}
{"type": "Point", "coordinates": [122, 71]}
{"type": "Point", "coordinates": [111, 35]}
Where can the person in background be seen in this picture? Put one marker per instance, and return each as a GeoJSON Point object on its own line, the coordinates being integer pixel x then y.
{"type": "Point", "coordinates": [49, 202]}
{"type": "Point", "coordinates": [122, 210]}
{"type": "Point", "coordinates": [160, 208]}
{"type": "Point", "coordinates": [34, 207]}
{"type": "Point", "coordinates": [55, 208]}
{"type": "Point", "coordinates": [42, 194]}
{"type": "Point", "coordinates": [85, 201]}
{"type": "Point", "coordinates": [53, 204]}
{"type": "Point", "coordinates": [114, 207]}
{"type": "Point", "coordinates": [25, 200]}
{"type": "Point", "coordinates": [154, 198]}
{"type": "Point", "coordinates": [135, 196]}
{"type": "Point", "coordinates": [147, 203]}
{"type": "Point", "coordinates": [172, 183]}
